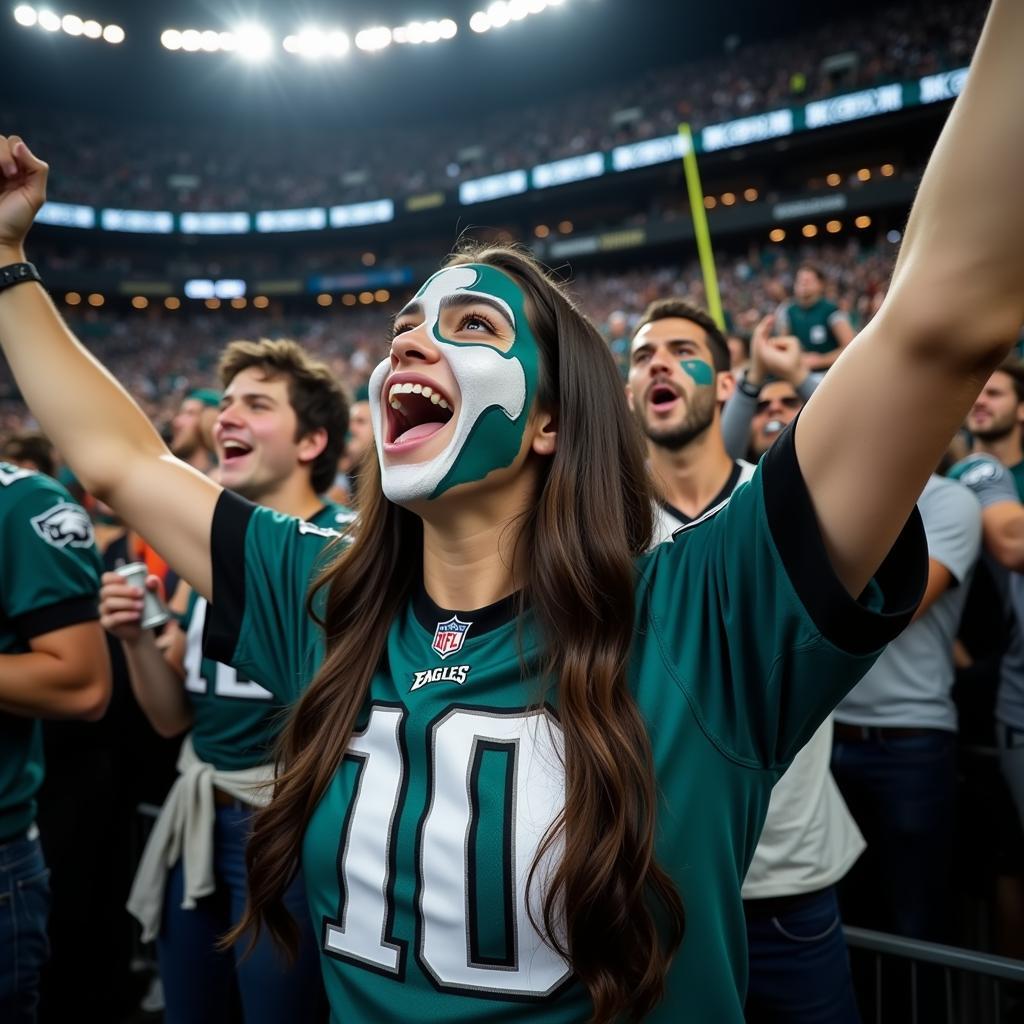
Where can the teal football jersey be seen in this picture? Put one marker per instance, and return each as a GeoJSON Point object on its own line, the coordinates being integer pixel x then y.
{"type": "Point", "coordinates": [811, 324]}
{"type": "Point", "coordinates": [50, 579]}
{"type": "Point", "coordinates": [417, 858]}
{"type": "Point", "coordinates": [234, 719]}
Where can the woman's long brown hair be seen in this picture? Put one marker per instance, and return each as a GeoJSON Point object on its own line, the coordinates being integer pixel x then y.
{"type": "Point", "coordinates": [617, 911]}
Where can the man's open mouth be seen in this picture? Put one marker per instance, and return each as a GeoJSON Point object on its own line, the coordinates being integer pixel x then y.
{"type": "Point", "coordinates": [415, 410]}
{"type": "Point", "coordinates": [233, 450]}
{"type": "Point", "coordinates": [661, 396]}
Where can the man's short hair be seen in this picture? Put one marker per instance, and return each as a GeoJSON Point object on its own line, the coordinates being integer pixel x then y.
{"type": "Point", "coordinates": [814, 269]}
{"type": "Point", "coordinates": [313, 391]}
{"type": "Point", "coordinates": [1014, 369]}
{"type": "Point", "coordinates": [665, 309]}
{"type": "Point", "coordinates": [31, 446]}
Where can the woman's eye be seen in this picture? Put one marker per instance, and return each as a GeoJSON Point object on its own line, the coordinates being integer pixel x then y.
{"type": "Point", "coordinates": [479, 323]}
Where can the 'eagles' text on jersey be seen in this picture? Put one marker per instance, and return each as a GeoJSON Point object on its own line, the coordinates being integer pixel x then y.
{"type": "Point", "coordinates": [417, 856]}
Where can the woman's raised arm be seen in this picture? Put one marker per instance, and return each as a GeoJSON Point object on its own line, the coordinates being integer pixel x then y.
{"type": "Point", "coordinates": [104, 436]}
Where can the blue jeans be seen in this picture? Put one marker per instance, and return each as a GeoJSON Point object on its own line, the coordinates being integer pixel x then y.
{"type": "Point", "coordinates": [900, 791]}
{"type": "Point", "coordinates": [24, 906]}
{"type": "Point", "coordinates": [200, 980]}
{"type": "Point", "coordinates": [799, 965]}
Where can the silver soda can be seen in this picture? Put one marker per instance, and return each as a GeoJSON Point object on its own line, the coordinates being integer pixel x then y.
{"type": "Point", "coordinates": [154, 613]}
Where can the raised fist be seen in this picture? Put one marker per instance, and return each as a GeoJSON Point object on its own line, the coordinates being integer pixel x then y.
{"type": "Point", "coordinates": [22, 192]}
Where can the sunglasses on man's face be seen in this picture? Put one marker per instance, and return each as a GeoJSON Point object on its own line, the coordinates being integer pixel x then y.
{"type": "Point", "coordinates": [792, 402]}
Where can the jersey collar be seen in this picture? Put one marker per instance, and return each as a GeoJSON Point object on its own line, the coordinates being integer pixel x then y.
{"type": "Point", "coordinates": [484, 620]}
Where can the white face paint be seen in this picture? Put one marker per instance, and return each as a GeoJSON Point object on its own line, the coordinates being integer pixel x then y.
{"type": "Point", "coordinates": [486, 379]}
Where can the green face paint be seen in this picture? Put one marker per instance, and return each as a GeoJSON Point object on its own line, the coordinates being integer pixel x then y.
{"type": "Point", "coordinates": [497, 388]}
{"type": "Point", "coordinates": [698, 371]}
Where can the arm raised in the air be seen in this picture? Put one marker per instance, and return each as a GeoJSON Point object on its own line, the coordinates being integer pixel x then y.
{"type": "Point", "coordinates": [883, 416]}
{"type": "Point", "coordinates": [104, 436]}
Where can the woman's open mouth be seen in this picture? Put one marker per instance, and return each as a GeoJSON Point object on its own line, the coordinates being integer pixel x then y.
{"type": "Point", "coordinates": [416, 410]}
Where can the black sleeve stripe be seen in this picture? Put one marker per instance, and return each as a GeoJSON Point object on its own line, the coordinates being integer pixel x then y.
{"type": "Point", "coordinates": [227, 555]}
{"type": "Point", "coordinates": [794, 527]}
{"type": "Point", "coordinates": [56, 616]}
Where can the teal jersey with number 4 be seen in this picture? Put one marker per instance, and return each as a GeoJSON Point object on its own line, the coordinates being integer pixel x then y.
{"type": "Point", "coordinates": [49, 580]}
{"type": "Point", "coordinates": [416, 859]}
{"type": "Point", "coordinates": [235, 720]}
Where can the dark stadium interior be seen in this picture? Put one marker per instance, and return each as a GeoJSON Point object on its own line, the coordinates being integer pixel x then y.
{"type": "Point", "coordinates": [136, 127]}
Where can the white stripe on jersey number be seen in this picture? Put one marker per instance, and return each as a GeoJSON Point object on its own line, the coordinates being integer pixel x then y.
{"type": "Point", "coordinates": [445, 942]}
{"type": "Point", "coordinates": [226, 682]}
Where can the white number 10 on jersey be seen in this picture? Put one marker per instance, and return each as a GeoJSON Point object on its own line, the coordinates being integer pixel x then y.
{"type": "Point", "coordinates": [448, 947]}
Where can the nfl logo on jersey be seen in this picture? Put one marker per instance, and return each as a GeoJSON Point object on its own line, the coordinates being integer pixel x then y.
{"type": "Point", "coordinates": [449, 636]}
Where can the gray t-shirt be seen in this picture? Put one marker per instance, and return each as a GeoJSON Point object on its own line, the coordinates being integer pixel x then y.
{"type": "Point", "coordinates": [993, 484]}
{"type": "Point", "coordinates": [910, 683]}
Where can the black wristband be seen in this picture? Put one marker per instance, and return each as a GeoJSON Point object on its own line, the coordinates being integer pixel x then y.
{"type": "Point", "coordinates": [17, 273]}
{"type": "Point", "coordinates": [748, 389]}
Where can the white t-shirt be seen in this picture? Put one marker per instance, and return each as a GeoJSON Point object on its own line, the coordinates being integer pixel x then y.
{"type": "Point", "coordinates": [809, 839]}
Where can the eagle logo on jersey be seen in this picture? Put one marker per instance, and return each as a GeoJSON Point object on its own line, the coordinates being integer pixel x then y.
{"type": "Point", "coordinates": [449, 637]}
{"type": "Point", "coordinates": [64, 525]}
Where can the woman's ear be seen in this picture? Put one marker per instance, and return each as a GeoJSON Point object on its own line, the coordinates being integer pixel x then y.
{"type": "Point", "coordinates": [545, 437]}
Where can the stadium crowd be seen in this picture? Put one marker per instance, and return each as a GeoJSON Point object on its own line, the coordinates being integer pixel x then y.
{"type": "Point", "coordinates": [147, 166]}
{"type": "Point", "coordinates": [161, 356]}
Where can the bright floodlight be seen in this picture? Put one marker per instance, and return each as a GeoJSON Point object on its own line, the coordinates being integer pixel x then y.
{"type": "Point", "coordinates": [311, 43]}
{"type": "Point", "coordinates": [536, 6]}
{"type": "Point", "coordinates": [448, 28]}
{"type": "Point", "coordinates": [49, 21]}
{"type": "Point", "coordinates": [480, 22]}
{"type": "Point", "coordinates": [191, 40]}
{"type": "Point", "coordinates": [228, 41]}
{"type": "Point", "coordinates": [416, 32]}
{"type": "Point", "coordinates": [371, 39]}
{"type": "Point", "coordinates": [400, 35]}
{"type": "Point", "coordinates": [498, 14]}
{"type": "Point", "coordinates": [171, 39]}
{"type": "Point", "coordinates": [518, 9]}
{"type": "Point", "coordinates": [72, 24]}
{"type": "Point", "coordinates": [25, 15]}
{"type": "Point", "coordinates": [253, 42]}
{"type": "Point", "coordinates": [113, 34]}
{"type": "Point", "coordinates": [92, 29]}
{"type": "Point", "coordinates": [210, 41]}
{"type": "Point", "coordinates": [337, 43]}
{"type": "Point", "coordinates": [431, 32]}
{"type": "Point", "coordinates": [291, 44]}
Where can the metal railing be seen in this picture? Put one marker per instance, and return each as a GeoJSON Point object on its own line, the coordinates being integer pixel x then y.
{"type": "Point", "coordinates": [972, 983]}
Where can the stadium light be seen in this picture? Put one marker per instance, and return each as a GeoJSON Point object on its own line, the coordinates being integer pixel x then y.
{"type": "Point", "coordinates": [417, 32]}
{"type": "Point", "coordinates": [252, 42]}
{"type": "Point", "coordinates": [191, 40]}
{"type": "Point", "coordinates": [373, 39]}
{"type": "Point", "coordinates": [315, 43]}
{"type": "Point", "coordinates": [71, 24]}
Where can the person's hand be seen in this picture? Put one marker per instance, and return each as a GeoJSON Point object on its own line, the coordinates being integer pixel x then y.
{"type": "Point", "coordinates": [22, 193]}
{"type": "Point", "coordinates": [762, 335]}
{"type": "Point", "coordinates": [783, 358]}
{"type": "Point", "coordinates": [121, 605]}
